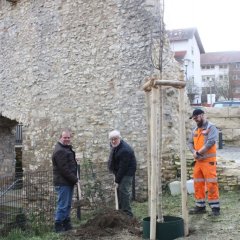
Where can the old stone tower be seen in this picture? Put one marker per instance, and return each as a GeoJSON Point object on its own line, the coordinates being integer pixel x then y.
{"type": "Point", "coordinates": [81, 65]}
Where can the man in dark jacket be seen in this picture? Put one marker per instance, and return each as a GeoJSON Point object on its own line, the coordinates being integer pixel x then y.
{"type": "Point", "coordinates": [122, 163]}
{"type": "Point", "coordinates": [64, 179]}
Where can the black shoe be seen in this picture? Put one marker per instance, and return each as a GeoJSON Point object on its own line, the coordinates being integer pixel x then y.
{"type": "Point", "coordinates": [215, 212]}
{"type": "Point", "coordinates": [67, 225]}
{"type": "Point", "coordinates": [197, 210]}
{"type": "Point", "coordinates": [58, 227]}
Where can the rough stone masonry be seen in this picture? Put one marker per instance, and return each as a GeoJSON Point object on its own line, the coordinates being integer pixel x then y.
{"type": "Point", "coordinates": [81, 65]}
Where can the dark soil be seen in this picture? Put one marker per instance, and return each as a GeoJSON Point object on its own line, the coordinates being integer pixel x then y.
{"type": "Point", "coordinates": [108, 222]}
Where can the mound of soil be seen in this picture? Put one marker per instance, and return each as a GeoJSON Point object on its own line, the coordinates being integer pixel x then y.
{"type": "Point", "coordinates": [107, 223]}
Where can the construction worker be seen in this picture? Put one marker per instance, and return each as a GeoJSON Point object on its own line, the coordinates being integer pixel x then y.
{"type": "Point", "coordinates": [202, 144]}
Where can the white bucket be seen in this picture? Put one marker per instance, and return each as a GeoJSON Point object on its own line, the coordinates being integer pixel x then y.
{"type": "Point", "coordinates": [190, 186]}
{"type": "Point", "coordinates": [175, 188]}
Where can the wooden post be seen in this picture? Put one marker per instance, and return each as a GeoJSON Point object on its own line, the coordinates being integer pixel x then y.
{"type": "Point", "coordinates": [159, 157]}
{"type": "Point", "coordinates": [183, 160]}
{"type": "Point", "coordinates": [148, 95]}
{"type": "Point", "coordinates": [153, 163]}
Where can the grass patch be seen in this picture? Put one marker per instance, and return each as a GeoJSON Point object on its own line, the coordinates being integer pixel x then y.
{"type": "Point", "coordinates": [18, 234]}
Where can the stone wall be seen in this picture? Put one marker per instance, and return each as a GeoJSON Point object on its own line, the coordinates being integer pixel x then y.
{"type": "Point", "coordinates": [81, 65]}
{"type": "Point", "coordinates": [227, 119]}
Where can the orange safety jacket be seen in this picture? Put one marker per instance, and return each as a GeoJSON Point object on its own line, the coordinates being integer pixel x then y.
{"type": "Point", "coordinates": [202, 137]}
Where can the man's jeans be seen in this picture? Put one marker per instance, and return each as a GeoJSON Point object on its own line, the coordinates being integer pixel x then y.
{"type": "Point", "coordinates": [124, 194]}
{"type": "Point", "coordinates": [64, 202]}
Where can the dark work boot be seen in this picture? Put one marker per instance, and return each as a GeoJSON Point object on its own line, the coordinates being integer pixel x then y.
{"type": "Point", "coordinates": [197, 210]}
{"type": "Point", "coordinates": [67, 224]}
{"type": "Point", "coordinates": [215, 212]}
{"type": "Point", "coordinates": [58, 227]}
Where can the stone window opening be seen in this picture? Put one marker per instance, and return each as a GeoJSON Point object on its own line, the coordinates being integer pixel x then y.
{"type": "Point", "coordinates": [10, 152]}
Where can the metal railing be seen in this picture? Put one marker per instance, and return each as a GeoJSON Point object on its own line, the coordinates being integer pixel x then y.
{"type": "Point", "coordinates": [12, 186]}
{"type": "Point", "coordinates": [24, 197]}
{"type": "Point", "coordinates": [30, 197]}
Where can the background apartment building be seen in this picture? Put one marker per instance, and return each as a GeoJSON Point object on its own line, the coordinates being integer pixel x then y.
{"type": "Point", "coordinates": [220, 76]}
{"type": "Point", "coordinates": [210, 76]}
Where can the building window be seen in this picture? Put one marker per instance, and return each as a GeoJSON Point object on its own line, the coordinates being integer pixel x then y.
{"type": "Point", "coordinates": [237, 89]}
{"type": "Point", "coordinates": [224, 66]}
{"type": "Point", "coordinates": [210, 67]}
{"type": "Point", "coordinates": [225, 77]}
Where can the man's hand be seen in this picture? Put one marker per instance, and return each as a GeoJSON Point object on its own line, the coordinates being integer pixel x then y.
{"type": "Point", "coordinates": [116, 185]}
{"type": "Point", "coordinates": [196, 154]}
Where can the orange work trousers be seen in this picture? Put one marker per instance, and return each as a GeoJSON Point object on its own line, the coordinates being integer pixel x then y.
{"type": "Point", "coordinates": [205, 176]}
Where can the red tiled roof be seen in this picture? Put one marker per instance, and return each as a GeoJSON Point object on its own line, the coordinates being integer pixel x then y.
{"type": "Point", "coordinates": [180, 54]}
{"type": "Point", "coordinates": [220, 57]}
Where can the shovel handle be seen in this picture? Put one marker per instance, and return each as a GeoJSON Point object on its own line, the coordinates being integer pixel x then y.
{"type": "Point", "coordinates": [116, 198]}
{"type": "Point", "coordinates": [78, 187]}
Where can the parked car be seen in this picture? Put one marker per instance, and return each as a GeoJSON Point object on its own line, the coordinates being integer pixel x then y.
{"type": "Point", "coordinates": [221, 104]}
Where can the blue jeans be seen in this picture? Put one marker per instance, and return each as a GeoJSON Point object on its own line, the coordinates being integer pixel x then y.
{"type": "Point", "coordinates": [124, 194]}
{"type": "Point", "coordinates": [64, 202]}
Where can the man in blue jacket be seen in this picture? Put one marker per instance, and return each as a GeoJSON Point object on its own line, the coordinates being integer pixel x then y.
{"type": "Point", "coordinates": [64, 179]}
{"type": "Point", "coordinates": [122, 163]}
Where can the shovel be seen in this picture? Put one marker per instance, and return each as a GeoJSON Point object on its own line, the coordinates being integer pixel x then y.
{"type": "Point", "coordinates": [80, 202]}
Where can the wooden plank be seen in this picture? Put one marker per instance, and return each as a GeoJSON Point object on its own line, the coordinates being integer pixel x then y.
{"type": "Point", "coordinates": [154, 82]}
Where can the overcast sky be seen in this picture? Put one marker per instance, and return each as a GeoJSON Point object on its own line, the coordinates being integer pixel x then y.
{"type": "Point", "coordinates": [217, 21]}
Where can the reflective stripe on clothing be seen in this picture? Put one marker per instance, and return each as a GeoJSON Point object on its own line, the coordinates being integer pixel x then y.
{"type": "Point", "coordinates": [201, 203]}
{"type": "Point", "coordinates": [211, 179]}
{"type": "Point", "coordinates": [205, 180]}
{"type": "Point", "coordinates": [208, 155]}
{"type": "Point", "coordinates": [199, 180]}
{"type": "Point", "coordinates": [214, 204]}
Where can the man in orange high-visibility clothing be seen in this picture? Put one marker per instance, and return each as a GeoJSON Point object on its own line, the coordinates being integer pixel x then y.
{"type": "Point", "coordinates": [202, 144]}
